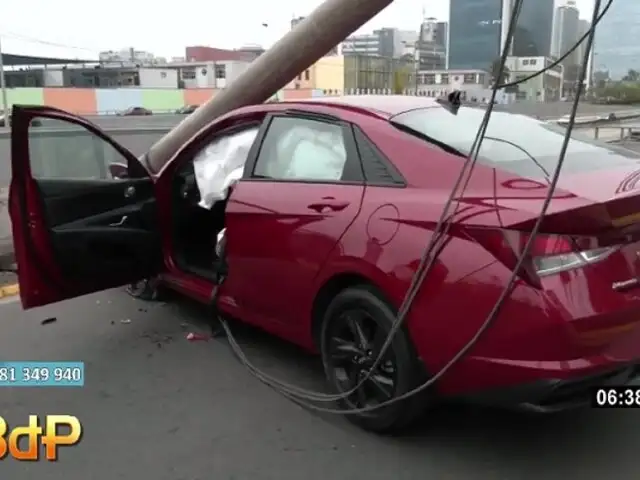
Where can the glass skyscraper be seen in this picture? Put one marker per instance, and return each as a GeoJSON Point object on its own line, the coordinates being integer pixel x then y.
{"type": "Point", "coordinates": [474, 33]}
{"type": "Point", "coordinates": [475, 28]}
{"type": "Point", "coordinates": [617, 41]}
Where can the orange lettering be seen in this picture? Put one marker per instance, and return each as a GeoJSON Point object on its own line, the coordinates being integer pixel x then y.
{"type": "Point", "coordinates": [32, 432]}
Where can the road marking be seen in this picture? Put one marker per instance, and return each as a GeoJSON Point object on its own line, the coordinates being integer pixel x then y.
{"type": "Point", "coordinates": [9, 290]}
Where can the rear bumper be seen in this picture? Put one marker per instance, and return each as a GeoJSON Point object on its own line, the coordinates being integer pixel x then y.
{"type": "Point", "coordinates": [554, 395]}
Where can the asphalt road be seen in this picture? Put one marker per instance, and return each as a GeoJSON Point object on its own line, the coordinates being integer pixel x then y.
{"type": "Point", "coordinates": [156, 406]}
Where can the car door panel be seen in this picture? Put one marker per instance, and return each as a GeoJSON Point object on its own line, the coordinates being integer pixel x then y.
{"type": "Point", "coordinates": [281, 230]}
{"type": "Point", "coordinates": [277, 244]}
{"type": "Point", "coordinates": [68, 200]}
{"type": "Point", "coordinates": [74, 236]}
{"type": "Point", "coordinates": [100, 225]}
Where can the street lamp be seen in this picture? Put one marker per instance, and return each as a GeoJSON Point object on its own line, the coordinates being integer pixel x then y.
{"type": "Point", "coordinates": [3, 83]}
{"type": "Point", "coordinates": [416, 58]}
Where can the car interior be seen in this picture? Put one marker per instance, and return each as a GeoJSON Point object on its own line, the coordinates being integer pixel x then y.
{"type": "Point", "coordinates": [201, 188]}
{"type": "Point", "coordinates": [195, 228]}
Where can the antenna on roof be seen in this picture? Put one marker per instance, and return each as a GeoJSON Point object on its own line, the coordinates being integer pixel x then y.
{"type": "Point", "coordinates": [451, 102]}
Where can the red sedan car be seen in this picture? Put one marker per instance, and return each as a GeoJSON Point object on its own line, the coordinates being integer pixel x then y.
{"type": "Point", "coordinates": [327, 206]}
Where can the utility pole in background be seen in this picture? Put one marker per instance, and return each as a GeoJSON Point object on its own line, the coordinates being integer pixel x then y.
{"type": "Point", "coordinates": [3, 84]}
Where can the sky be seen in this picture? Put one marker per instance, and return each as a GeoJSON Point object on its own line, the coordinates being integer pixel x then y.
{"type": "Point", "coordinates": [81, 29]}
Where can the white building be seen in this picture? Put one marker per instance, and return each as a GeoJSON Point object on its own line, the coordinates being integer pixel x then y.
{"type": "Point", "coordinates": [542, 88]}
{"type": "Point", "coordinates": [208, 74]}
{"type": "Point", "coordinates": [110, 77]}
{"type": "Point", "coordinates": [473, 84]}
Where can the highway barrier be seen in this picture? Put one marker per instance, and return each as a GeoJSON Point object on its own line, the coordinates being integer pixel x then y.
{"type": "Point", "coordinates": [602, 118]}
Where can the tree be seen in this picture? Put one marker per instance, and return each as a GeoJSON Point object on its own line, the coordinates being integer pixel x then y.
{"type": "Point", "coordinates": [632, 76]}
{"type": "Point", "coordinates": [495, 70]}
{"type": "Point", "coordinates": [404, 70]}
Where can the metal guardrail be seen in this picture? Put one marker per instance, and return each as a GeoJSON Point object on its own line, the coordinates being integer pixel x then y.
{"type": "Point", "coordinates": [627, 132]}
{"type": "Point", "coordinates": [595, 120]}
{"type": "Point", "coordinates": [74, 132]}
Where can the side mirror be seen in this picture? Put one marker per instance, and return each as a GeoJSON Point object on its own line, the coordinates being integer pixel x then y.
{"type": "Point", "coordinates": [118, 170]}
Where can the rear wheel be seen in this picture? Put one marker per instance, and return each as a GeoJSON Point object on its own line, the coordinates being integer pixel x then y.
{"type": "Point", "coordinates": [355, 326]}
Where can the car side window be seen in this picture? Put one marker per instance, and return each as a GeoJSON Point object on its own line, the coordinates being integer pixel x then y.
{"type": "Point", "coordinates": [62, 150]}
{"type": "Point", "coordinates": [303, 149]}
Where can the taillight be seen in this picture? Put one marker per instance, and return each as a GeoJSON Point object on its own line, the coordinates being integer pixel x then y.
{"type": "Point", "coordinates": [548, 254]}
{"type": "Point", "coordinates": [568, 261]}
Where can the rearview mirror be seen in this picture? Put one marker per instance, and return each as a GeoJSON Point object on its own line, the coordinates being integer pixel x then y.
{"type": "Point", "coordinates": [118, 170]}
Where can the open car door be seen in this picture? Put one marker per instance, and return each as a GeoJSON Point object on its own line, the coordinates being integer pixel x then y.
{"type": "Point", "coordinates": [77, 229]}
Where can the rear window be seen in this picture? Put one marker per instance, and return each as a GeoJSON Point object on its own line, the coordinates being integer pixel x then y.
{"type": "Point", "coordinates": [516, 143]}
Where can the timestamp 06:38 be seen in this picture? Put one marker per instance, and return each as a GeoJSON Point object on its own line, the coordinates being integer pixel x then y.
{"type": "Point", "coordinates": [625, 396]}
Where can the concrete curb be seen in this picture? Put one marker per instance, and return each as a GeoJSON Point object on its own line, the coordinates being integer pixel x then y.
{"type": "Point", "coordinates": [6, 240]}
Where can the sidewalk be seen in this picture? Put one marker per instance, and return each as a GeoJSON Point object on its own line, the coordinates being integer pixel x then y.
{"type": "Point", "coordinates": [6, 242]}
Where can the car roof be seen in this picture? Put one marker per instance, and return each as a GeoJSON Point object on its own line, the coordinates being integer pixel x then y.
{"type": "Point", "coordinates": [385, 105]}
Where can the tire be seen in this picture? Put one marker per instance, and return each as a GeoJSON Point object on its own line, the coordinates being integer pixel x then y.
{"type": "Point", "coordinates": [364, 305]}
{"type": "Point", "coordinates": [148, 289]}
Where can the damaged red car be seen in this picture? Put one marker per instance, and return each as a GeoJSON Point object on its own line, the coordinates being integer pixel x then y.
{"type": "Point", "coordinates": [321, 209]}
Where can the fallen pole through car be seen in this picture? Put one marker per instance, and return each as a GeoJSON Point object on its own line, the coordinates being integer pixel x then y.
{"type": "Point", "coordinates": [310, 40]}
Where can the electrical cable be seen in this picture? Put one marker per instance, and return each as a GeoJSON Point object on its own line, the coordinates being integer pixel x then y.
{"type": "Point", "coordinates": [296, 394]}
{"type": "Point", "coordinates": [431, 381]}
{"type": "Point", "coordinates": [565, 55]}
{"type": "Point", "coordinates": [24, 38]}
{"type": "Point", "coordinates": [421, 271]}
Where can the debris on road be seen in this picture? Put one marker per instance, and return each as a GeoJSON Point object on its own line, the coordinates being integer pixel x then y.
{"type": "Point", "coordinates": [198, 337]}
{"type": "Point", "coordinates": [49, 320]}
{"type": "Point", "coordinates": [125, 321]}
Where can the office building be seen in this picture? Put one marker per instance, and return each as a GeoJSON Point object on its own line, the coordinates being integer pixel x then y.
{"type": "Point", "coordinates": [616, 47]}
{"type": "Point", "coordinates": [474, 33]}
{"type": "Point", "coordinates": [364, 73]}
{"type": "Point", "coordinates": [566, 31]}
{"type": "Point", "coordinates": [534, 28]}
{"type": "Point", "coordinates": [583, 28]}
{"type": "Point", "coordinates": [432, 45]}
{"type": "Point", "coordinates": [478, 28]}
{"type": "Point", "coordinates": [386, 42]}
{"type": "Point", "coordinates": [542, 88]}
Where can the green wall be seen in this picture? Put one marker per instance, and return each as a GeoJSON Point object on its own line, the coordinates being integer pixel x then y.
{"type": "Point", "coordinates": [26, 96]}
{"type": "Point", "coordinates": [156, 99]}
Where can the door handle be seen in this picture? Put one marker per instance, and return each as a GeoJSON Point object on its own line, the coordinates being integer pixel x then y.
{"type": "Point", "coordinates": [333, 205]}
{"type": "Point", "coordinates": [122, 221]}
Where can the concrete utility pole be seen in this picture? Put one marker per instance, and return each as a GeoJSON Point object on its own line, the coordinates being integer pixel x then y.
{"type": "Point", "coordinates": [317, 34]}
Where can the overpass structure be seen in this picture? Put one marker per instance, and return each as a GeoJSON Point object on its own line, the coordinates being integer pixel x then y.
{"type": "Point", "coordinates": [14, 60]}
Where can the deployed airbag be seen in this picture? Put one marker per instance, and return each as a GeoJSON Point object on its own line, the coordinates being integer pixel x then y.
{"type": "Point", "coordinates": [220, 164]}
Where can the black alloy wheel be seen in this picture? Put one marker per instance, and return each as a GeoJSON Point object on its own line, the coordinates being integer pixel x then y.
{"type": "Point", "coordinates": [147, 289]}
{"type": "Point", "coordinates": [356, 325]}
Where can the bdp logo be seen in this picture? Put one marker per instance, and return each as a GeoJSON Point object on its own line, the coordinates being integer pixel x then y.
{"type": "Point", "coordinates": [49, 437]}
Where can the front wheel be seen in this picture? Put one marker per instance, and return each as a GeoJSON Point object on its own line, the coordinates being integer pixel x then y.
{"type": "Point", "coordinates": [355, 326]}
{"type": "Point", "coordinates": [148, 289]}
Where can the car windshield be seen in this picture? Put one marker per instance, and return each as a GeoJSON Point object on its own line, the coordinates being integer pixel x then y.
{"type": "Point", "coordinates": [516, 143]}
